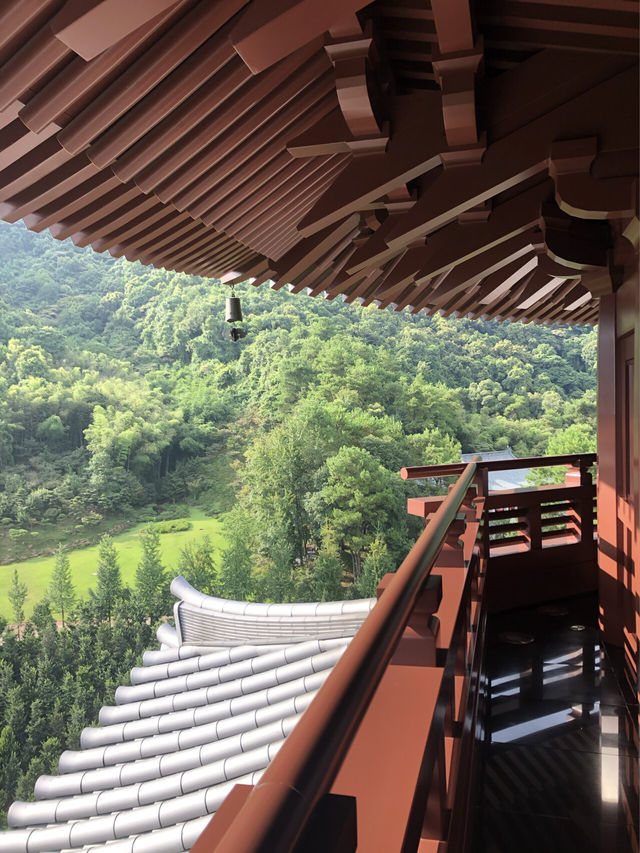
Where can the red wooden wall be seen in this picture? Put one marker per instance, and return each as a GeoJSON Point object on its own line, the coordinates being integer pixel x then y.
{"type": "Point", "coordinates": [619, 468]}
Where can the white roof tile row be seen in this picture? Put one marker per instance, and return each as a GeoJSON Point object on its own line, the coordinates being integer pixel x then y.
{"type": "Point", "coordinates": [207, 711]}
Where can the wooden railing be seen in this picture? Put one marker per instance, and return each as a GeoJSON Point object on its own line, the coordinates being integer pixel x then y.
{"type": "Point", "coordinates": [373, 762]}
{"type": "Point", "coordinates": [538, 541]}
{"type": "Point", "coordinates": [579, 461]}
{"type": "Point", "coordinates": [384, 757]}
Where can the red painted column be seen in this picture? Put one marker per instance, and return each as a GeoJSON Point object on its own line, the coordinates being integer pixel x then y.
{"type": "Point", "coordinates": [607, 535]}
{"type": "Point", "coordinates": [619, 469]}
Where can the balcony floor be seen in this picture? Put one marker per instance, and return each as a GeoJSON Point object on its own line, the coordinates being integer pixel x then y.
{"type": "Point", "coordinates": [561, 762]}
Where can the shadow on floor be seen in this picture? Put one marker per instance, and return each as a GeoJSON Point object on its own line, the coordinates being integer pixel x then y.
{"type": "Point", "coordinates": [561, 753]}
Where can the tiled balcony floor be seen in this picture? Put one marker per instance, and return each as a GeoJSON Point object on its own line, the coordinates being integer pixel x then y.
{"type": "Point", "coordinates": [561, 762]}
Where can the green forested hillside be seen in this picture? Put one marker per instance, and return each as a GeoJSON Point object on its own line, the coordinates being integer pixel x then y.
{"type": "Point", "coordinates": [120, 397]}
{"type": "Point", "coordinates": [121, 403]}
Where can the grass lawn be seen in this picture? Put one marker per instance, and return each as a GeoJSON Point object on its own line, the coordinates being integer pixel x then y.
{"type": "Point", "coordinates": [37, 571]}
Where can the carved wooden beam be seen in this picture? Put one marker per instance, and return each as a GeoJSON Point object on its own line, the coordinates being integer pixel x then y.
{"type": "Point", "coordinates": [500, 306]}
{"type": "Point", "coordinates": [554, 268]}
{"type": "Point", "coordinates": [420, 293]}
{"type": "Point", "coordinates": [456, 61]}
{"type": "Point", "coordinates": [541, 83]}
{"type": "Point", "coordinates": [453, 25]}
{"type": "Point", "coordinates": [405, 267]}
{"type": "Point", "coordinates": [331, 259]}
{"type": "Point", "coordinates": [581, 195]}
{"type": "Point", "coordinates": [500, 283]}
{"type": "Point", "coordinates": [576, 297]}
{"type": "Point", "coordinates": [588, 314]}
{"type": "Point", "coordinates": [376, 252]}
{"type": "Point", "coordinates": [522, 270]}
{"type": "Point", "coordinates": [398, 274]}
{"type": "Point", "coordinates": [534, 94]}
{"type": "Point", "coordinates": [576, 243]}
{"type": "Point", "coordinates": [473, 271]}
{"type": "Point", "coordinates": [259, 269]}
{"type": "Point", "coordinates": [352, 49]}
{"type": "Point", "coordinates": [323, 281]}
{"type": "Point", "coordinates": [470, 300]}
{"type": "Point", "coordinates": [520, 156]}
{"type": "Point", "coordinates": [364, 287]}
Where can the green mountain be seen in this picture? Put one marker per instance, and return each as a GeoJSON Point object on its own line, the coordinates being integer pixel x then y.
{"type": "Point", "coordinates": [121, 395]}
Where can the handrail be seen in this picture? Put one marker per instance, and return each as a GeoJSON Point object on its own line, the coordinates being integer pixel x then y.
{"type": "Point", "coordinates": [418, 472]}
{"type": "Point", "coordinates": [276, 812]}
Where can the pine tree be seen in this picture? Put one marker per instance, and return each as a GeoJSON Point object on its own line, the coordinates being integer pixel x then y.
{"type": "Point", "coordinates": [27, 781]}
{"type": "Point", "coordinates": [376, 564]}
{"type": "Point", "coordinates": [328, 575]}
{"type": "Point", "coordinates": [236, 580]}
{"type": "Point", "coordinates": [109, 586]}
{"type": "Point", "coordinates": [61, 592]}
{"type": "Point", "coordinates": [9, 765]}
{"type": "Point", "coordinates": [151, 577]}
{"type": "Point", "coordinates": [17, 596]}
{"type": "Point", "coordinates": [77, 721]}
{"type": "Point", "coordinates": [279, 580]}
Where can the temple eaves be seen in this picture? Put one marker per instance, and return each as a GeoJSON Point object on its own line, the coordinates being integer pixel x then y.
{"type": "Point", "coordinates": [423, 157]}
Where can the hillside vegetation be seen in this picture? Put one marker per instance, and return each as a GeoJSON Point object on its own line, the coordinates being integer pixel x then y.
{"type": "Point", "coordinates": [36, 572]}
{"type": "Point", "coordinates": [120, 398]}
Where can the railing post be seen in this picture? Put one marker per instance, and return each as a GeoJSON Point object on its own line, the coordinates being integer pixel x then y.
{"type": "Point", "coordinates": [534, 523]}
{"type": "Point", "coordinates": [584, 502]}
{"type": "Point", "coordinates": [417, 646]}
{"type": "Point", "coordinates": [482, 483]}
{"type": "Point", "coordinates": [585, 474]}
{"type": "Point", "coordinates": [436, 813]}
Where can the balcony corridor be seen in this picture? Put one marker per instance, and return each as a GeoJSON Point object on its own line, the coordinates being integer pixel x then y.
{"type": "Point", "coordinates": [561, 756]}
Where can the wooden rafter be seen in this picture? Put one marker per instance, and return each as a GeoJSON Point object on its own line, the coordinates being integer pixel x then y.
{"type": "Point", "coordinates": [443, 156]}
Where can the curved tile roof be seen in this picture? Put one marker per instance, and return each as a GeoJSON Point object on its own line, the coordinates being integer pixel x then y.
{"type": "Point", "coordinates": [240, 621]}
{"type": "Point", "coordinates": [195, 720]}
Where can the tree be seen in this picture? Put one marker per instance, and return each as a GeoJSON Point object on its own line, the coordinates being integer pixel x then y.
{"type": "Point", "coordinates": [278, 578]}
{"type": "Point", "coordinates": [577, 438]}
{"type": "Point", "coordinates": [61, 591]}
{"type": "Point", "coordinates": [329, 570]}
{"type": "Point", "coordinates": [77, 721]}
{"type": "Point", "coordinates": [42, 617]}
{"type": "Point", "coordinates": [44, 762]}
{"type": "Point", "coordinates": [17, 596]}
{"type": "Point", "coordinates": [377, 564]}
{"type": "Point", "coordinates": [237, 559]}
{"type": "Point", "coordinates": [359, 497]}
{"type": "Point", "coordinates": [589, 349]}
{"type": "Point", "coordinates": [279, 469]}
{"type": "Point", "coordinates": [151, 576]}
{"type": "Point", "coordinates": [9, 765]}
{"type": "Point", "coordinates": [51, 431]}
{"type": "Point", "coordinates": [109, 584]}
{"type": "Point", "coordinates": [196, 565]}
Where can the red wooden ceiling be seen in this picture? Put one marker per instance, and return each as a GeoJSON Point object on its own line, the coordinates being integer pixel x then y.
{"type": "Point", "coordinates": [472, 159]}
